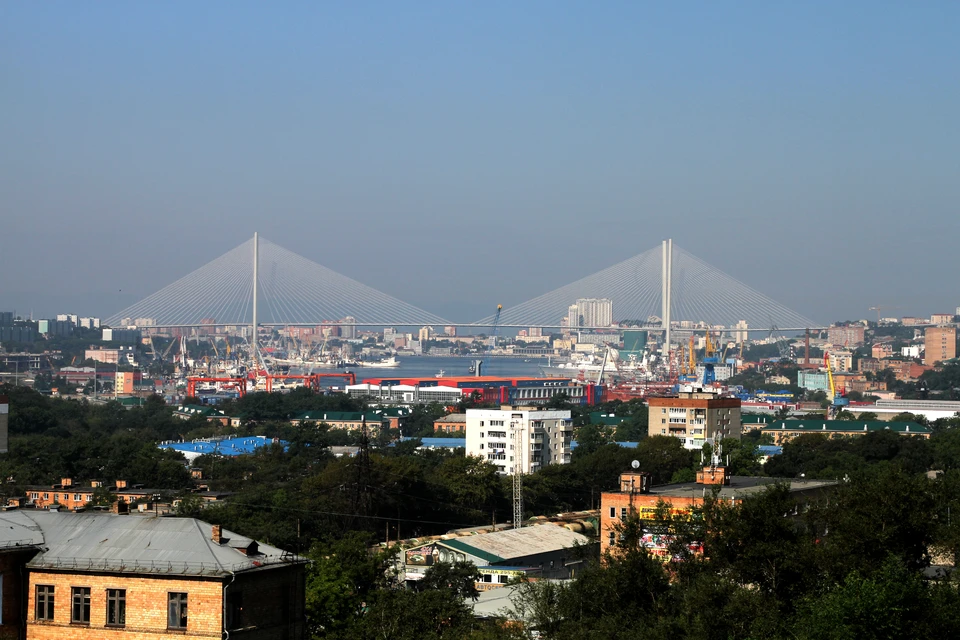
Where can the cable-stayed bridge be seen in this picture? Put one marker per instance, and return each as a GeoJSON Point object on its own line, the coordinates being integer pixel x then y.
{"type": "Point", "coordinates": [699, 293]}
{"type": "Point", "coordinates": [293, 290]}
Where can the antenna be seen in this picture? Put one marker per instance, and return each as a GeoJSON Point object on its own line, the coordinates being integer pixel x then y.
{"type": "Point", "coordinates": [517, 475]}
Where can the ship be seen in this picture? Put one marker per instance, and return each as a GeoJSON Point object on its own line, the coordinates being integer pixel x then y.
{"type": "Point", "coordinates": [386, 363]}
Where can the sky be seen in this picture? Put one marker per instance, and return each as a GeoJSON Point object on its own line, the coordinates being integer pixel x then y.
{"type": "Point", "coordinates": [459, 155]}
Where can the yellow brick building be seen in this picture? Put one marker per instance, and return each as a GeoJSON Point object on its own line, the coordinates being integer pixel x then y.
{"type": "Point", "coordinates": [98, 575]}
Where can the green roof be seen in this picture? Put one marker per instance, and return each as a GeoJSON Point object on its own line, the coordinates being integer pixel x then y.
{"type": "Point", "coordinates": [607, 419]}
{"type": "Point", "coordinates": [752, 418]}
{"type": "Point", "coordinates": [846, 426]}
{"type": "Point", "coordinates": [466, 548]}
{"type": "Point", "coordinates": [337, 416]}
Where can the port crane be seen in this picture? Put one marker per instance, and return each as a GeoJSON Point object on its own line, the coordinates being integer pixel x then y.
{"type": "Point", "coordinates": [837, 399]}
{"type": "Point", "coordinates": [496, 323]}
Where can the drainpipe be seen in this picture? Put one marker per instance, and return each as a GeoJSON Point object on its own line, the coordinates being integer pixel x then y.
{"type": "Point", "coordinates": [226, 631]}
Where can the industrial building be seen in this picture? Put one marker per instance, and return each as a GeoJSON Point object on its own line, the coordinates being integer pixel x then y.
{"type": "Point", "coordinates": [519, 440]}
{"type": "Point", "coordinates": [786, 430]}
{"type": "Point", "coordinates": [540, 551]}
{"type": "Point", "coordinates": [695, 417]}
{"type": "Point", "coordinates": [503, 390]}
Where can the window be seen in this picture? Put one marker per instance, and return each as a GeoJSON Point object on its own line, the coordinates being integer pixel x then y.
{"type": "Point", "coordinates": [176, 610]}
{"type": "Point", "coordinates": [80, 609]}
{"type": "Point", "coordinates": [76, 497]}
{"type": "Point", "coordinates": [44, 602]}
{"type": "Point", "coordinates": [613, 512]}
{"type": "Point", "coordinates": [623, 513]}
{"type": "Point", "coordinates": [116, 607]}
{"type": "Point", "coordinates": [612, 539]}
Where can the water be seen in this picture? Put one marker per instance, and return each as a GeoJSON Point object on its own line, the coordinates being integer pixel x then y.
{"type": "Point", "coordinates": [428, 367]}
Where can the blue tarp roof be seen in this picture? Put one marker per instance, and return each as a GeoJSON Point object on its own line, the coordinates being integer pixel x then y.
{"type": "Point", "coordinates": [625, 445]}
{"type": "Point", "coordinates": [228, 447]}
{"type": "Point", "coordinates": [769, 450]}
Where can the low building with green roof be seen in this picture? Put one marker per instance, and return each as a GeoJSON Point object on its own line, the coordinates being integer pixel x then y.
{"type": "Point", "coordinates": [785, 430]}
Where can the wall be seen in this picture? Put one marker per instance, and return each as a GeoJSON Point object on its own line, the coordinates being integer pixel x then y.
{"type": "Point", "coordinates": [146, 610]}
{"type": "Point", "coordinates": [13, 571]}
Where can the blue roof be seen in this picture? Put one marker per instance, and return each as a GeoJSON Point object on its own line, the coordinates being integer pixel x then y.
{"type": "Point", "coordinates": [228, 447]}
{"type": "Point", "coordinates": [769, 450]}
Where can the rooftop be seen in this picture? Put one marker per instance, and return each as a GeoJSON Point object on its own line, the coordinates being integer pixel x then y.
{"type": "Point", "coordinates": [846, 426]}
{"type": "Point", "coordinates": [102, 542]}
{"type": "Point", "coordinates": [499, 546]}
{"type": "Point", "coordinates": [739, 487]}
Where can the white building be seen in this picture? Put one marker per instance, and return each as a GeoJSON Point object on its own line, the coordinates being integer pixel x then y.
{"type": "Point", "coordinates": [741, 334]}
{"type": "Point", "coordinates": [595, 312]}
{"type": "Point", "coordinates": [515, 439]}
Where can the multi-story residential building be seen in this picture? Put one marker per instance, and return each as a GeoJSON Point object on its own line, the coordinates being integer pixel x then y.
{"type": "Point", "coordinates": [519, 439]}
{"type": "Point", "coordinates": [941, 318]}
{"type": "Point", "coordinates": [594, 312]}
{"type": "Point", "coordinates": [841, 360]}
{"type": "Point", "coordinates": [741, 334]}
{"type": "Point", "coordinates": [107, 356]}
{"type": "Point", "coordinates": [695, 417]}
{"type": "Point", "coordinates": [348, 328]}
{"type": "Point", "coordinates": [940, 343]}
{"type": "Point", "coordinates": [845, 336]}
{"type": "Point", "coordinates": [94, 575]}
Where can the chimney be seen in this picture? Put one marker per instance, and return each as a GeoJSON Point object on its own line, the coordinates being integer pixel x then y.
{"type": "Point", "coordinates": [121, 484]}
{"type": "Point", "coordinates": [66, 482]}
{"type": "Point", "coordinates": [217, 534]}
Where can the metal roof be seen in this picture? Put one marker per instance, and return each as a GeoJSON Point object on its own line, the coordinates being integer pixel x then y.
{"type": "Point", "coordinates": [225, 447]}
{"type": "Point", "coordinates": [101, 542]}
{"type": "Point", "coordinates": [517, 543]}
{"type": "Point", "coordinates": [848, 426]}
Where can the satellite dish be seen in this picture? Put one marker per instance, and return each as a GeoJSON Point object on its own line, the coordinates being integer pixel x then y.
{"type": "Point", "coordinates": [635, 464]}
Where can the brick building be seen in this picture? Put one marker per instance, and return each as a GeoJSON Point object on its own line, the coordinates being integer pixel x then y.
{"type": "Point", "coordinates": [696, 417]}
{"type": "Point", "coordinates": [93, 575]}
{"type": "Point", "coordinates": [940, 343]}
{"type": "Point", "coordinates": [845, 336]}
{"type": "Point", "coordinates": [637, 497]}
{"type": "Point", "coordinates": [453, 423]}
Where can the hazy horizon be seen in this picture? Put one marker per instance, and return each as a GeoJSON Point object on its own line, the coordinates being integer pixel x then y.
{"type": "Point", "coordinates": [457, 157]}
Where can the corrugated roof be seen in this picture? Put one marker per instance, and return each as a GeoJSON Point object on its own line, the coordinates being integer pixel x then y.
{"type": "Point", "coordinates": [499, 546]}
{"type": "Point", "coordinates": [135, 544]}
{"type": "Point", "coordinates": [847, 425]}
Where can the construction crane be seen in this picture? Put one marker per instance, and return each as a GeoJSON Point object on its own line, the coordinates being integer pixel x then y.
{"type": "Point", "coordinates": [879, 308]}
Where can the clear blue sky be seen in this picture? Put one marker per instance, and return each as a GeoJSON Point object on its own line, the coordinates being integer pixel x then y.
{"type": "Point", "coordinates": [459, 155]}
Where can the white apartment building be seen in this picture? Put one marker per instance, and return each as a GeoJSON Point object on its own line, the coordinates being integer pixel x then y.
{"type": "Point", "coordinates": [519, 439]}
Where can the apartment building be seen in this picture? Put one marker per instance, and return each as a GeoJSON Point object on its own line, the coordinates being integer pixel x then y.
{"type": "Point", "coordinates": [846, 336]}
{"type": "Point", "coordinates": [695, 417]}
{"type": "Point", "coordinates": [95, 575]}
{"type": "Point", "coordinates": [519, 439]}
{"type": "Point", "coordinates": [940, 343]}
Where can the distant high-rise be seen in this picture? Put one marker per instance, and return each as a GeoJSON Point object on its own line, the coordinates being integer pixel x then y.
{"type": "Point", "coordinates": [348, 330]}
{"type": "Point", "coordinates": [573, 316]}
{"type": "Point", "coordinates": [940, 343]}
{"type": "Point", "coordinates": [741, 334]}
{"type": "Point", "coordinates": [594, 312]}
